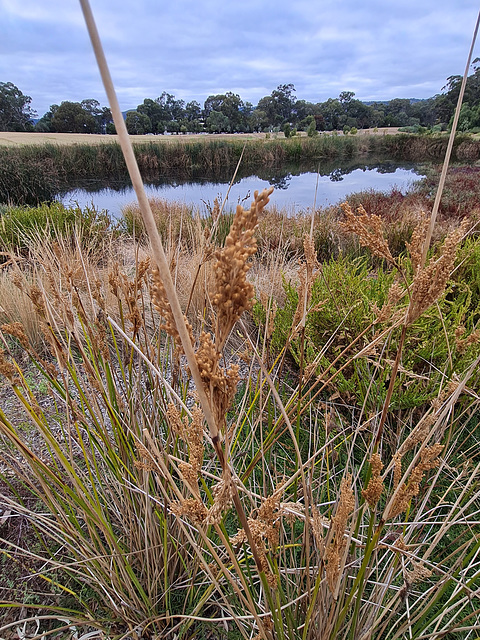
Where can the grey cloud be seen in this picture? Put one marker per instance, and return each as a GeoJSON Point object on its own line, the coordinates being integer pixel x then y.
{"type": "Point", "coordinates": [378, 49]}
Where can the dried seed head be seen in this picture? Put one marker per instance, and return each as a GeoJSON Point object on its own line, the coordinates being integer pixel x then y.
{"type": "Point", "coordinates": [386, 313]}
{"type": "Point", "coordinates": [220, 385]}
{"type": "Point", "coordinates": [145, 460]}
{"type": "Point", "coordinates": [8, 369]}
{"type": "Point", "coordinates": [174, 419]}
{"type": "Point", "coordinates": [162, 305]}
{"type": "Point", "coordinates": [192, 508]}
{"type": "Point", "coordinates": [368, 228]}
{"type": "Point", "coordinates": [346, 505]}
{"type": "Point", "coordinates": [415, 246]}
{"type": "Point", "coordinates": [335, 550]}
{"type": "Point", "coordinates": [332, 566]}
{"type": "Point", "coordinates": [418, 573]}
{"type": "Point", "coordinates": [397, 469]}
{"type": "Point", "coordinates": [375, 486]}
{"type": "Point", "coordinates": [429, 283]}
{"type": "Point", "coordinates": [410, 489]}
{"type": "Point", "coordinates": [264, 528]}
{"type": "Point", "coordinates": [222, 500]}
{"type": "Point", "coordinates": [233, 294]}
{"type": "Point", "coordinates": [461, 343]}
{"type": "Point", "coordinates": [16, 330]}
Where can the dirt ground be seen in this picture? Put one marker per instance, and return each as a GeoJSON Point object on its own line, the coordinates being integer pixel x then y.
{"type": "Point", "coordinates": [17, 138]}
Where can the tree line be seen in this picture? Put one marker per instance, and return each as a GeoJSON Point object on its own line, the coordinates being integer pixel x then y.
{"type": "Point", "coordinates": [228, 113]}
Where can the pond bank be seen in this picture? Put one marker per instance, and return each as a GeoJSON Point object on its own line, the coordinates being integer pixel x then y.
{"type": "Point", "coordinates": [32, 174]}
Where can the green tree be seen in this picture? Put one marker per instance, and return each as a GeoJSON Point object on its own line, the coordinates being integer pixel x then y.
{"type": "Point", "coordinates": [312, 129]}
{"type": "Point", "coordinates": [137, 123]}
{"type": "Point", "coordinates": [217, 122]}
{"type": "Point", "coordinates": [193, 111]}
{"type": "Point", "coordinates": [229, 105]}
{"type": "Point", "coordinates": [15, 111]}
{"type": "Point", "coordinates": [45, 123]}
{"type": "Point", "coordinates": [346, 97]}
{"type": "Point", "coordinates": [71, 117]}
{"type": "Point", "coordinates": [303, 111]}
{"type": "Point", "coordinates": [156, 113]}
{"type": "Point", "coordinates": [333, 113]}
{"type": "Point", "coordinates": [102, 115]}
{"type": "Point", "coordinates": [279, 107]}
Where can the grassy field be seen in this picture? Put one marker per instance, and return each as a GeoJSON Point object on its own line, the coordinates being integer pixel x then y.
{"type": "Point", "coordinates": [12, 138]}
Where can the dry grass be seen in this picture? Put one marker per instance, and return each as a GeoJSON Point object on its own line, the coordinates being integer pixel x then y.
{"type": "Point", "coordinates": [17, 138]}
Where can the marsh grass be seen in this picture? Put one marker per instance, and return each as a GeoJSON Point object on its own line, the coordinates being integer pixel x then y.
{"type": "Point", "coordinates": [32, 174]}
{"type": "Point", "coordinates": [20, 227]}
{"type": "Point", "coordinates": [258, 502]}
{"type": "Point", "coordinates": [148, 539]}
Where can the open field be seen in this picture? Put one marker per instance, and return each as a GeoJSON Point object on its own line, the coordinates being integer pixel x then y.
{"type": "Point", "coordinates": [14, 138]}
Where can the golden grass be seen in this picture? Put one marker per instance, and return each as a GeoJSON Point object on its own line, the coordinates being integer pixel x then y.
{"type": "Point", "coordinates": [20, 138]}
{"type": "Point", "coordinates": [17, 138]}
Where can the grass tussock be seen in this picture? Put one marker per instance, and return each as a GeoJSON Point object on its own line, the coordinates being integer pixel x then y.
{"type": "Point", "coordinates": [338, 496]}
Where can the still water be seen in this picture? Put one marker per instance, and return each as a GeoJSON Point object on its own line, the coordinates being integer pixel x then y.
{"type": "Point", "coordinates": [294, 190]}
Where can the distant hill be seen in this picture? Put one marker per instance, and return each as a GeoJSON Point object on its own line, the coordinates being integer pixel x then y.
{"type": "Point", "coordinates": [411, 100]}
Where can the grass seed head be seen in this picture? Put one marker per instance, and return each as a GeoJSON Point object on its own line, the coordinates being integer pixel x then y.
{"type": "Point", "coordinates": [410, 489]}
{"type": "Point", "coordinates": [368, 228]}
{"type": "Point", "coordinates": [375, 486]}
{"type": "Point", "coordinates": [338, 544]}
{"type": "Point", "coordinates": [233, 294]}
{"type": "Point", "coordinates": [162, 305]}
{"type": "Point", "coordinates": [429, 283]}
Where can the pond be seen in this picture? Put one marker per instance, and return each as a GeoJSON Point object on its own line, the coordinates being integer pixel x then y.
{"type": "Point", "coordinates": [295, 189]}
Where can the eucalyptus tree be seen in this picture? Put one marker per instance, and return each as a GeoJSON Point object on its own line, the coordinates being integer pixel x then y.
{"type": "Point", "coordinates": [16, 113]}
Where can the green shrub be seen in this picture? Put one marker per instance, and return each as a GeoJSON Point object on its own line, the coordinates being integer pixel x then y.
{"type": "Point", "coordinates": [356, 289]}
{"type": "Point", "coordinates": [312, 130]}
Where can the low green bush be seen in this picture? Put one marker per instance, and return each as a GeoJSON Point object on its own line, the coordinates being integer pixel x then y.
{"type": "Point", "coordinates": [436, 346]}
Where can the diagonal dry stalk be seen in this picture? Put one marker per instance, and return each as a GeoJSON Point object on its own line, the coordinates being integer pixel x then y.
{"type": "Point", "coordinates": [423, 270]}
{"type": "Point", "coordinates": [165, 276]}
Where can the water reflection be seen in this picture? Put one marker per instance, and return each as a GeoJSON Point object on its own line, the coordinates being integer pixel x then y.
{"type": "Point", "coordinates": [295, 184]}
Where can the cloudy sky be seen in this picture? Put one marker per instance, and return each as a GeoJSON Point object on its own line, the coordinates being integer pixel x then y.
{"type": "Point", "coordinates": [380, 49]}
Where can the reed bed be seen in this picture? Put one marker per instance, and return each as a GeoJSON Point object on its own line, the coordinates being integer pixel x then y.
{"type": "Point", "coordinates": [361, 511]}
{"type": "Point", "coordinates": [34, 173]}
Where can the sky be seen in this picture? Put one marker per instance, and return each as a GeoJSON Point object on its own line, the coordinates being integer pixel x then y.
{"type": "Point", "coordinates": [380, 49]}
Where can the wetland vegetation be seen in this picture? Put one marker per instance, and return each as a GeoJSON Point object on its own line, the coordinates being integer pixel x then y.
{"type": "Point", "coordinates": [361, 486]}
